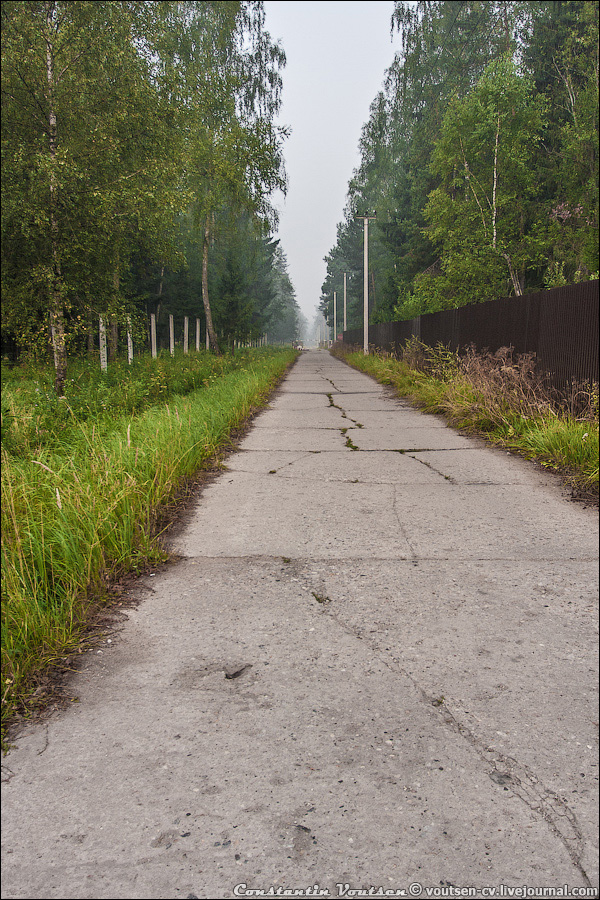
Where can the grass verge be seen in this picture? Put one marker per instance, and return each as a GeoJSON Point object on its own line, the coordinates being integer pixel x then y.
{"type": "Point", "coordinates": [81, 508]}
{"type": "Point", "coordinates": [502, 398]}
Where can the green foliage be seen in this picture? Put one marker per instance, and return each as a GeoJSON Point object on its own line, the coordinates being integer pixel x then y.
{"type": "Point", "coordinates": [36, 418]}
{"type": "Point", "coordinates": [480, 158]}
{"type": "Point", "coordinates": [84, 508]}
{"type": "Point", "coordinates": [131, 133]}
{"type": "Point", "coordinates": [285, 320]}
{"type": "Point", "coordinates": [483, 218]}
{"type": "Point", "coordinates": [86, 157]}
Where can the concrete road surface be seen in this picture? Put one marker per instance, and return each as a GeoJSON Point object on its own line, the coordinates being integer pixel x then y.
{"type": "Point", "coordinates": [373, 668]}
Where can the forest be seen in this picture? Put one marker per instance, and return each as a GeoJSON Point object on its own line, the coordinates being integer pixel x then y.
{"type": "Point", "coordinates": [479, 160]}
{"type": "Point", "coordinates": [139, 156]}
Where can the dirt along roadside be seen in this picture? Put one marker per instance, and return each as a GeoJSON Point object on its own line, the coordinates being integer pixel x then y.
{"type": "Point", "coordinates": [374, 665]}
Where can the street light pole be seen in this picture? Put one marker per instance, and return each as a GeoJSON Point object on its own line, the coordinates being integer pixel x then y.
{"type": "Point", "coordinates": [366, 282]}
{"type": "Point", "coordinates": [334, 317]}
{"type": "Point", "coordinates": [344, 301]}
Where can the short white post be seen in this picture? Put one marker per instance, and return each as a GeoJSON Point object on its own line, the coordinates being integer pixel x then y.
{"type": "Point", "coordinates": [186, 326]}
{"type": "Point", "coordinates": [171, 336]}
{"type": "Point", "coordinates": [153, 334]}
{"type": "Point", "coordinates": [102, 338]}
{"type": "Point", "coordinates": [129, 341]}
{"type": "Point", "coordinates": [197, 335]}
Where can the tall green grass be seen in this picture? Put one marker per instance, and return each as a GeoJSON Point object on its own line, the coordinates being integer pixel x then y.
{"type": "Point", "coordinates": [33, 416]}
{"type": "Point", "coordinates": [502, 398]}
{"type": "Point", "coordinates": [81, 506]}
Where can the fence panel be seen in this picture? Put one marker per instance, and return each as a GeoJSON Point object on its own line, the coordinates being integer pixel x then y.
{"type": "Point", "coordinates": [568, 337]}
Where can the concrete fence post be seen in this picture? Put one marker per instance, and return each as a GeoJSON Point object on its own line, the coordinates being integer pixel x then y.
{"type": "Point", "coordinates": [153, 334]}
{"type": "Point", "coordinates": [102, 339]}
{"type": "Point", "coordinates": [129, 342]}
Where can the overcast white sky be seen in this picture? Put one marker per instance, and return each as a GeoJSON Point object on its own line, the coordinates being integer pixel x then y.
{"type": "Point", "coordinates": [337, 54]}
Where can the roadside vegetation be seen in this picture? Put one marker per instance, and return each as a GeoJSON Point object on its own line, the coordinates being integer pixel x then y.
{"type": "Point", "coordinates": [140, 155]}
{"type": "Point", "coordinates": [501, 397]}
{"type": "Point", "coordinates": [87, 478]}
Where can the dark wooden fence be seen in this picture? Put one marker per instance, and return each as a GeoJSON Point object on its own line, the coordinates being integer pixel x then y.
{"type": "Point", "coordinates": [559, 326]}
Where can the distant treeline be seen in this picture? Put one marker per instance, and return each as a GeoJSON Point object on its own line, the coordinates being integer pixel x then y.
{"type": "Point", "coordinates": [480, 158]}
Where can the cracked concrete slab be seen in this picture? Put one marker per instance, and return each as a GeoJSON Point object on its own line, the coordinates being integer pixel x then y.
{"type": "Point", "coordinates": [397, 437]}
{"type": "Point", "coordinates": [321, 758]}
{"type": "Point", "coordinates": [503, 646]}
{"type": "Point", "coordinates": [292, 400]}
{"type": "Point", "coordinates": [295, 419]}
{"type": "Point", "coordinates": [405, 418]}
{"type": "Point", "coordinates": [250, 521]}
{"type": "Point", "coordinates": [364, 669]}
{"type": "Point", "coordinates": [337, 465]}
{"type": "Point", "coordinates": [490, 522]}
{"type": "Point", "coordinates": [483, 465]}
{"type": "Point", "coordinates": [292, 439]}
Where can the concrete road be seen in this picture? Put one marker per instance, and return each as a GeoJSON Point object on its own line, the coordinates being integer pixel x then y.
{"type": "Point", "coordinates": [374, 666]}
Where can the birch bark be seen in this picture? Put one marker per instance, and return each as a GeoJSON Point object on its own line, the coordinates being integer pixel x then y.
{"type": "Point", "coordinates": [212, 338]}
{"type": "Point", "coordinates": [57, 312]}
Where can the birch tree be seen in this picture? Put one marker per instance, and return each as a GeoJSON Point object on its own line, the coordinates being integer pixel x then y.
{"type": "Point", "coordinates": [483, 218]}
{"type": "Point", "coordinates": [86, 163]}
{"type": "Point", "coordinates": [234, 154]}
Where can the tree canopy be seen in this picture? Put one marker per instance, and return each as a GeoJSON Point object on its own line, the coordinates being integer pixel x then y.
{"type": "Point", "coordinates": [139, 155]}
{"type": "Point", "coordinates": [480, 156]}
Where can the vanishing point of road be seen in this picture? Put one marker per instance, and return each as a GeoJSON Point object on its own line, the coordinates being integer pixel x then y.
{"type": "Point", "coordinates": [372, 666]}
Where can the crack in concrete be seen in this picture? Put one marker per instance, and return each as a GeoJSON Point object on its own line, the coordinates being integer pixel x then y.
{"type": "Point", "coordinates": [287, 465]}
{"type": "Point", "coordinates": [252, 558]}
{"type": "Point", "coordinates": [512, 775]}
{"type": "Point", "coordinates": [424, 462]}
{"type": "Point", "coordinates": [401, 525]}
{"type": "Point", "coordinates": [7, 774]}
{"type": "Point", "coordinates": [334, 385]}
{"type": "Point", "coordinates": [47, 741]}
{"type": "Point", "coordinates": [525, 784]}
{"type": "Point", "coordinates": [349, 442]}
{"type": "Point", "coordinates": [345, 415]}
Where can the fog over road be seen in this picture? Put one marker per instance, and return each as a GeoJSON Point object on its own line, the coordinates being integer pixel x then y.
{"type": "Point", "coordinates": [373, 664]}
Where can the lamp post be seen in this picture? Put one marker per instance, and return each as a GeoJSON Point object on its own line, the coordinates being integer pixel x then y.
{"type": "Point", "coordinates": [366, 281]}
{"type": "Point", "coordinates": [344, 301]}
{"type": "Point", "coordinates": [334, 317]}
